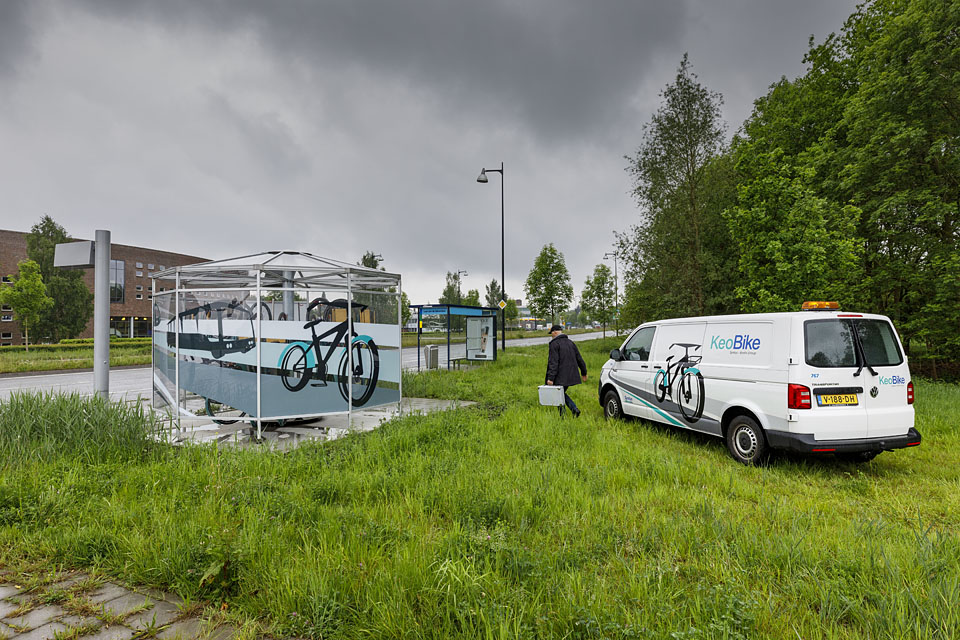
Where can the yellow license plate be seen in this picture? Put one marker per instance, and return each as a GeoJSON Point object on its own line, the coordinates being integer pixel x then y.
{"type": "Point", "coordinates": [849, 399]}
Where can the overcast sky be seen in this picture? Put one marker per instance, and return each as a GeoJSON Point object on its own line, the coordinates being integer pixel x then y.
{"type": "Point", "coordinates": [222, 128]}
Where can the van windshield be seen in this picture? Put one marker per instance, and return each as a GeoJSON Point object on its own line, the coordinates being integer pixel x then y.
{"type": "Point", "coordinates": [830, 343]}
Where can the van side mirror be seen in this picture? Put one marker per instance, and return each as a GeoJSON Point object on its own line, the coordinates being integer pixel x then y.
{"type": "Point", "coordinates": [615, 355]}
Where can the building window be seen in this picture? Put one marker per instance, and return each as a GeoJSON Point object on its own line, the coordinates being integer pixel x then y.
{"type": "Point", "coordinates": [6, 344]}
{"type": "Point", "coordinates": [150, 266]}
{"type": "Point", "coordinates": [6, 336]}
{"type": "Point", "coordinates": [162, 267]}
{"type": "Point", "coordinates": [139, 265]}
{"type": "Point", "coordinates": [6, 307]}
{"type": "Point", "coordinates": [6, 318]}
{"type": "Point", "coordinates": [7, 279]}
{"type": "Point", "coordinates": [139, 287]}
{"type": "Point", "coordinates": [139, 274]}
{"type": "Point", "coordinates": [139, 296]}
{"type": "Point", "coordinates": [116, 281]}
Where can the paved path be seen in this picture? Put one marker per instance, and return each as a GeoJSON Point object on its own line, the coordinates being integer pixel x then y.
{"type": "Point", "coordinates": [129, 383]}
{"type": "Point", "coordinates": [78, 605]}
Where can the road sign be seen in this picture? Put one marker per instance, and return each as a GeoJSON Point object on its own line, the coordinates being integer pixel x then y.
{"type": "Point", "coordinates": [502, 305]}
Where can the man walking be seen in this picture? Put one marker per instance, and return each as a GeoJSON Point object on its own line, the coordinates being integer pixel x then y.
{"type": "Point", "coordinates": [565, 366]}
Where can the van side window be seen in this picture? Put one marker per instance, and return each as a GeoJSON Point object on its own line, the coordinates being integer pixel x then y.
{"type": "Point", "coordinates": [638, 347]}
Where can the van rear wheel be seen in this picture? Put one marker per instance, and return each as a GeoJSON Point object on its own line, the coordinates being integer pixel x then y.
{"type": "Point", "coordinates": [611, 405]}
{"type": "Point", "coordinates": [746, 441]}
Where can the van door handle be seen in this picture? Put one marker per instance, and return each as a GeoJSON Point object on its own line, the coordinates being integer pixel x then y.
{"type": "Point", "coordinates": [643, 366]}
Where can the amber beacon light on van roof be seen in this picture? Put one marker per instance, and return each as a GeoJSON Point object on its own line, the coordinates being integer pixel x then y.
{"type": "Point", "coordinates": [820, 306]}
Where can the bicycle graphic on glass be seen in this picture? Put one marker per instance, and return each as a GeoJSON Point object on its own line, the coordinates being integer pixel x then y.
{"type": "Point", "coordinates": [690, 386]}
{"type": "Point", "coordinates": [303, 362]}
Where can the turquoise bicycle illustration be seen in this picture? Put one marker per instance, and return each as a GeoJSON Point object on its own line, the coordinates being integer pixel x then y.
{"type": "Point", "coordinates": [303, 362]}
{"type": "Point", "coordinates": [690, 385]}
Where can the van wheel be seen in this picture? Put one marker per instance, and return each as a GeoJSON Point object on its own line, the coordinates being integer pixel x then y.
{"type": "Point", "coordinates": [860, 457]}
{"type": "Point", "coordinates": [611, 405]}
{"type": "Point", "coordinates": [746, 441]}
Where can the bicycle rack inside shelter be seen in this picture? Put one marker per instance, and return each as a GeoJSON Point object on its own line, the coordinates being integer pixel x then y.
{"type": "Point", "coordinates": [273, 338]}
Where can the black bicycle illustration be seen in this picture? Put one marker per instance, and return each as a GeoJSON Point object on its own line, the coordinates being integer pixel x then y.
{"type": "Point", "coordinates": [302, 362]}
{"type": "Point", "coordinates": [690, 388]}
{"type": "Point", "coordinates": [221, 345]}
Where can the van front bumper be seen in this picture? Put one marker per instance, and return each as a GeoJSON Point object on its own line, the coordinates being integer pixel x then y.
{"type": "Point", "coordinates": [806, 443]}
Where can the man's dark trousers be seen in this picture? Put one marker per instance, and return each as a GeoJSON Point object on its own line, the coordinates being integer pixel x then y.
{"type": "Point", "coordinates": [569, 402]}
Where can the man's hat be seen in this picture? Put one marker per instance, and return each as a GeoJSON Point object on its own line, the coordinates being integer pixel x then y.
{"type": "Point", "coordinates": [555, 327]}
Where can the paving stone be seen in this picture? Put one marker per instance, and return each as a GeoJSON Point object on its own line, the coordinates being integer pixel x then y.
{"type": "Point", "coordinates": [115, 632]}
{"type": "Point", "coordinates": [223, 632]}
{"type": "Point", "coordinates": [106, 592]}
{"type": "Point", "coordinates": [69, 581]}
{"type": "Point", "coordinates": [7, 590]}
{"type": "Point", "coordinates": [20, 598]}
{"type": "Point", "coordinates": [37, 617]}
{"type": "Point", "coordinates": [155, 594]}
{"type": "Point", "coordinates": [6, 631]}
{"type": "Point", "coordinates": [46, 632]}
{"type": "Point", "coordinates": [126, 604]}
{"type": "Point", "coordinates": [6, 608]}
{"type": "Point", "coordinates": [184, 630]}
{"type": "Point", "coordinates": [81, 621]}
{"type": "Point", "coordinates": [158, 615]}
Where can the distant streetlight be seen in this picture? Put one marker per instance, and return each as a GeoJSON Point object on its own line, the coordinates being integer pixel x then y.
{"type": "Point", "coordinates": [482, 178]}
{"type": "Point", "coordinates": [616, 295]}
{"type": "Point", "coordinates": [460, 273]}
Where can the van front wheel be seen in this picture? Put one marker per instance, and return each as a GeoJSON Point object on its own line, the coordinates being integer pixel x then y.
{"type": "Point", "coordinates": [745, 441]}
{"type": "Point", "coordinates": [611, 405]}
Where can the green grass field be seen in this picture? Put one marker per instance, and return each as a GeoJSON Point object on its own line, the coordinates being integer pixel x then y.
{"type": "Point", "coordinates": [71, 357]}
{"type": "Point", "coordinates": [499, 521]}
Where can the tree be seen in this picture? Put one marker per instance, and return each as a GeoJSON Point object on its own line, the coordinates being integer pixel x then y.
{"type": "Point", "coordinates": [472, 298]}
{"type": "Point", "coordinates": [371, 260]}
{"type": "Point", "coordinates": [678, 255]}
{"type": "Point", "coordinates": [548, 284]}
{"type": "Point", "coordinates": [510, 312]}
{"type": "Point", "coordinates": [494, 294]}
{"type": "Point", "coordinates": [598, 296]}
{"type": "Point", "coordinates": [28, 297]}
{"type": "Point", "coordinates": [451, 291]}
{"type": "Point", "coordinates": [793, 244]}
{"type": "Point", "coordinates": [72, 305]}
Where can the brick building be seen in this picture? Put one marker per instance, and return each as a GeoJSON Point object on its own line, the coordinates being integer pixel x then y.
{"type": "Point", "coordinates": [130, 293]}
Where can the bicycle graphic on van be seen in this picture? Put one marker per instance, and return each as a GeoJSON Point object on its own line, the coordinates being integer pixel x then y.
{"type": "Point", "coordinates": [690, 387]}
{"type": "Point", "coordinates": [298, 365]}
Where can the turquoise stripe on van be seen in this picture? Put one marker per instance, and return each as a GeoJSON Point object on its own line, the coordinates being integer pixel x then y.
{"type": "Point", "coordinates": [665, 416]}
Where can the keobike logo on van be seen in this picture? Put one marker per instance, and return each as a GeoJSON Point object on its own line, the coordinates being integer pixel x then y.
{"type": "Point", "coordinates": [893, 380]}
{"type": "Point", "coordinates": [739, 342]}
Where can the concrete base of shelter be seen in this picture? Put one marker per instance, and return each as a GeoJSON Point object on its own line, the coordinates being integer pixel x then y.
{"type": "Point", "coordinates": [203, 430]}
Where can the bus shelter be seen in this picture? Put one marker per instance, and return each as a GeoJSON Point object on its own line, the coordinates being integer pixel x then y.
{"type": "Point", "coordinates": [273, 337]}
{"type": "Point", "coordinates": [478, 323]}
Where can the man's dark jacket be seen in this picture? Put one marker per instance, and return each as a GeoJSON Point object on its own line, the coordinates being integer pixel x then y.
{"type": "Point", "coordinates": [564, 362]}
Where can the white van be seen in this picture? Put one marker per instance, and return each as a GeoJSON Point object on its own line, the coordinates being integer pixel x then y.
{"type": "Point", "coordinates": [815, 381]}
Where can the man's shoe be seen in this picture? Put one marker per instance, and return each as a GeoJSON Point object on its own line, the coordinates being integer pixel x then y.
{"type": "Point", "coordinates": [576, 413]}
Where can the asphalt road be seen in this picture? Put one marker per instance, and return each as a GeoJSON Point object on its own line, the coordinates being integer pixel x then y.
{"type": "Point", "coordinates": [129, 383]}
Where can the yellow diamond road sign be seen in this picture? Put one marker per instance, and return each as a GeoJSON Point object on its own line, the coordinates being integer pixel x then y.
{"type": "Point", "coordinates": [502, 305]}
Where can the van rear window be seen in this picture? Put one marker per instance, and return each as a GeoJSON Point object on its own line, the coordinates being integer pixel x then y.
{"type": "Point", "coordinates": [830, 343]}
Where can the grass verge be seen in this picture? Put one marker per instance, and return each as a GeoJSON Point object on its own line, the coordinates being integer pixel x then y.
{"type": "Point", "coordinates": [502, 520]}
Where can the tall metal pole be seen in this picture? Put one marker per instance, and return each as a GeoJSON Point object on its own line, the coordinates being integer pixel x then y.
{"type": "Point", "coordinates": [101, 314]}
{"type": "Point", "coordinates": [503, 271]}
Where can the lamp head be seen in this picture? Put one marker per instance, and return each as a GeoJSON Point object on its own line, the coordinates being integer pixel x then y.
{"type": "Point", "coordinates": [483, 176]}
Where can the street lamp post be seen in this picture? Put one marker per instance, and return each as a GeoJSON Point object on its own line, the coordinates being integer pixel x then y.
{"type": "Point", "coordinates": [616, 294]}
{"type": "Point", "coordinates": [460, 272]}
{"type": "Point", "coordinates": [482, 178]}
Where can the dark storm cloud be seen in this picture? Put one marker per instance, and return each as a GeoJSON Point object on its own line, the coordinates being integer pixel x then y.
{"type": "Point", "coordinates": [15, 34]}
{"type": "Point", "coordinates": [558, 70]}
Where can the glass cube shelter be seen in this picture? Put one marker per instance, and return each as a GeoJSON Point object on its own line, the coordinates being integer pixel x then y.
{"type": "Point", "coordinates": [272, 337]}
